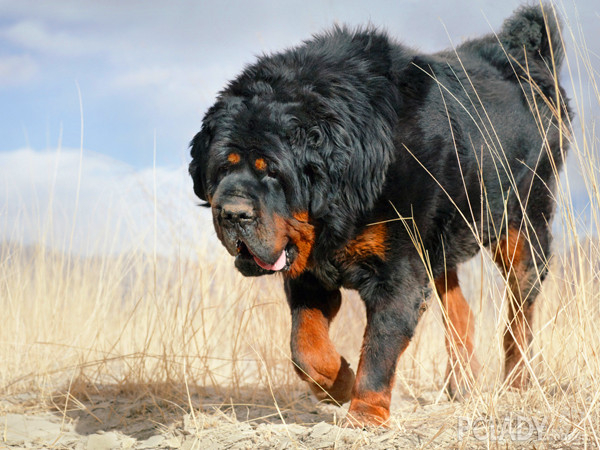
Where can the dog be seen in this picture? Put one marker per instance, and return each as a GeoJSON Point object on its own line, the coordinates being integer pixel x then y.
{"type": "Point", "coordinates": [354, 161]}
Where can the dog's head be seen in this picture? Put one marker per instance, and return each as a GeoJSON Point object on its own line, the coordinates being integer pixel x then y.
{"type": "Point", "coordinates": [243, 166]}
{"type": "Point", "coordinates": [291, 155]}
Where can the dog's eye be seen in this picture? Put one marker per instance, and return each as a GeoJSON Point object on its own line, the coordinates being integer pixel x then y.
{"type": "Point", "coordinates": [271, 173]}
{"type": "Point", "coordinates": [261, 165]}
{"type": "Point", "coordinates": [233, 158]}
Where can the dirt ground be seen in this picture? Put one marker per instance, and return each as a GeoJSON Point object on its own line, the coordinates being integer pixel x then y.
{"type": "Point", "coordinates": [261, 420]}
{"type": "Point", "coordinates": [143, 423]}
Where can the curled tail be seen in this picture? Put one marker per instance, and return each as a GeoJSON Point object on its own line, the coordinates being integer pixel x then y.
{"type": "Point", "coordinates": [536, 30]}
{"type": "Point", "coordinates": [532, 38]}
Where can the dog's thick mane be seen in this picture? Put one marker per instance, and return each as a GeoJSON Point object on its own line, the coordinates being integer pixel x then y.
{"type": "Point", "coordinates": [336, 99]}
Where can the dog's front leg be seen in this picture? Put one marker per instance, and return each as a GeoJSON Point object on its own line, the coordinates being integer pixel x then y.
{"type": "Point", "coordinates": [391, 321]}
{"type": "Point", "coordinates": [315, 358]}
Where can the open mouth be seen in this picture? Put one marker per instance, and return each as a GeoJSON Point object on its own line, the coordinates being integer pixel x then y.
{"type": "Point", "coordinates": [282, 263]}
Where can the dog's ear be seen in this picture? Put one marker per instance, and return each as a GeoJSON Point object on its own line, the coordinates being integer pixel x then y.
{"type": "Point", "coordinates": [315, 182]}
{"type": "Point", "coordinates": [220, 116]}
{"type": "Point", "coordinates": [345, 167]}
{"type": "Point", "coordinates": [199, 152]}
{"type": "Point", "coordinates": [320, 190]}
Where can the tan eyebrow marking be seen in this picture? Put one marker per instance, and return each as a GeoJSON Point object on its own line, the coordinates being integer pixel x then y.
{"type": "Point", "coordinates": [233, 158]}
{"type": "Point", "coordinates": [260, 164]}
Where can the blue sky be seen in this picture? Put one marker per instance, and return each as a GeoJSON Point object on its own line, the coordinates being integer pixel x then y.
{"type": "Point", "coordinates": [150, 68]}
{"type": "Point", "coordinates": [146, 66]}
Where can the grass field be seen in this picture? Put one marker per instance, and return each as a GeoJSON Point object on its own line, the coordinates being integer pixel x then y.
{"type": "Point", "coordinates": [185, 351]}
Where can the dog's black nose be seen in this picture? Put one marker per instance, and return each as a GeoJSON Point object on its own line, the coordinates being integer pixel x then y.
{"type": "Point", "coordinates": [237, 213]}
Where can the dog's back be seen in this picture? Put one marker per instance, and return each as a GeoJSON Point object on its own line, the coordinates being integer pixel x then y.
{"type": "Point", "coordinates": [484, 139]}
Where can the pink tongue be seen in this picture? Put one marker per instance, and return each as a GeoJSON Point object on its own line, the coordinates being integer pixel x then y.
{"type": "Point", "coordinates": [278, 265]}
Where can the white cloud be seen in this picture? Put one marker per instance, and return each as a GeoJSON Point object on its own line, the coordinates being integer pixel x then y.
{"type": "Point", "coordinates": [17, 69]}
{"type": "Point", "coordinates": [167, 60]}
{"type": "Point", "coordinates": [174, 88]}
{"type": "Point", "coordinates": [111, 209]}
{"type": "Point", "coordinates": [35, 36]}
{"type": "Point", "coordinates": [144, 77]}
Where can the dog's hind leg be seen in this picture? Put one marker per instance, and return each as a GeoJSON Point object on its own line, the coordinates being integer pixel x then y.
{"type": "Point", "coordinates": [523, 263]}
{"type": "Point", "coordinates": [314, 357]}
{"type": "Point", "coordinates": [463, 367]}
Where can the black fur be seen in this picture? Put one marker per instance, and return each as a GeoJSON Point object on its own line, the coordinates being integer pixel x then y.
{"type": "Point", "coordinates": [358, 129]}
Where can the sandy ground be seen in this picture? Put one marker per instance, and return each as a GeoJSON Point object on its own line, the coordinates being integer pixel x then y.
{"type": "Point", "coordinates": [126, 422]}
{"type": "Point", "coordinates": [144, 422]}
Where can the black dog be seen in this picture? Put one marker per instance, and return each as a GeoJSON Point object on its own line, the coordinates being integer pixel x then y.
{"type": "Point", "coordinates": [353, 161]}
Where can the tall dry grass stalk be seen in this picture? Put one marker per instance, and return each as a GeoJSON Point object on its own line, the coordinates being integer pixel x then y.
{"type": "Point", "coordinates": [143, 323]}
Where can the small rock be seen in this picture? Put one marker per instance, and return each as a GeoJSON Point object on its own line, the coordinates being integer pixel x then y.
{"type": "Point", "coordinates": [320, 429]}
{"type": "Point", "coordinates": [128, 442]}
{"type": "Point", "coordinates": [283, 429]}
{"type": "Point", "coordinates": [151, 442]}
{"type": "Point", "coordinates": [18, 429]}
{"type": "Point", "coordinates": [189, 424]}
{"type": "Point", "coordinates": [104, 441]}
{"type": "Point", "coordinates": [189, 444]}
{"type": "Point", "coordinates": [173, 442]}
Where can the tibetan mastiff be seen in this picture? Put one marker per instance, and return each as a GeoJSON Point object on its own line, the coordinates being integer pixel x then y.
{"type": "Point", "coordinates": [354, 161]}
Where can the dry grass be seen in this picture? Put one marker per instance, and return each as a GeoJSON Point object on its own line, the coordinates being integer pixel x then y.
{"type": "Point", "coordinates": [174, 336]}
{"type": "Point", "coordinates": [188, 335]}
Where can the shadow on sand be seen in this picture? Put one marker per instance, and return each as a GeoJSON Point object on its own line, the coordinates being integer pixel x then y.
{"type": "Point", "coordinates": [139, 410]}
